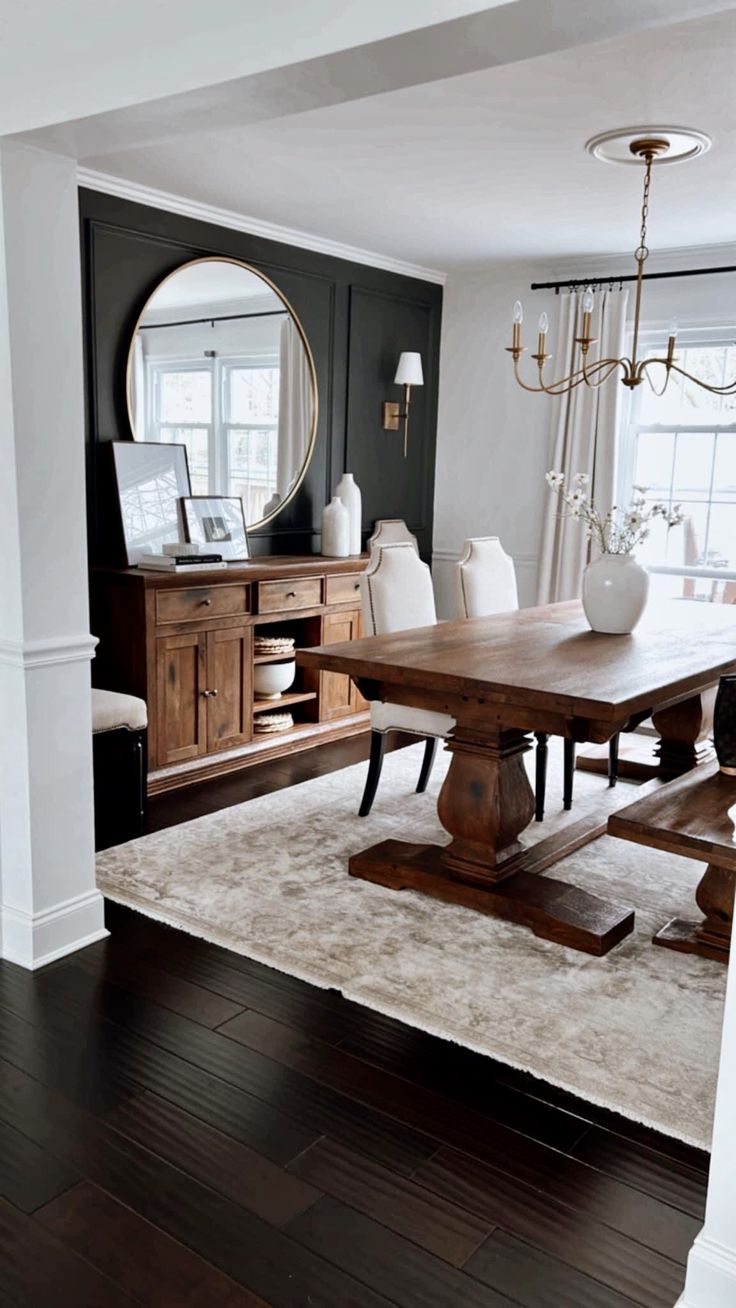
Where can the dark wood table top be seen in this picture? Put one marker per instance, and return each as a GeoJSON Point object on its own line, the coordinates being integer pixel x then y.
{"type": "Point", "coordinates": [548, 657]}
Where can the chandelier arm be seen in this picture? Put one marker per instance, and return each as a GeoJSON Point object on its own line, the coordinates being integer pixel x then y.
{"type": "Point", "coordinates": [609, 365]}
{"type": "Point", "coordinates": [714, 390]}
{"type": "Point", "coordinates": [582, 376]}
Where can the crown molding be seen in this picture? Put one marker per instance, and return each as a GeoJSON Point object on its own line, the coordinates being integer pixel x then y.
{"type": "Point", "coordinates": [239, 222]}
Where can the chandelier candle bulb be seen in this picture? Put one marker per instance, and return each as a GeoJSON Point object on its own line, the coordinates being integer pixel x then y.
{"type": "Point", "coordinates": [517, 319]}
{"type": "Point", "coordinates": [541, 354]}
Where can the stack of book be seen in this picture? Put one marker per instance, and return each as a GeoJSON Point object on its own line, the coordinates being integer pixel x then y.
{"type": "Point", "coordinates": [180, 557]}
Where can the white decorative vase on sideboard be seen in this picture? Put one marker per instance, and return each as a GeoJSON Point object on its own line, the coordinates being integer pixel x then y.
{"type": "Point", "coordinates": [335, 529]}
{"type": "Point", "coordinates": [350, 495]}
{"type": "Point", "coordinates": [615, 590]}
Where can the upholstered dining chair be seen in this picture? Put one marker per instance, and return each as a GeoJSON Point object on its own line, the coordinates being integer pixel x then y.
{"type": "Point", "coordinates": [485, 583]}
{"type": "Point", "coordinates": [397, 594]}
{"type": "Point", "coordinates": [391, 531]}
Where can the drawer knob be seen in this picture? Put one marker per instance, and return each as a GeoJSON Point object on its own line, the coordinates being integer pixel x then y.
{"type": "Point", "coordinates": [205, 602]}
{"type": "Point", "coordinates": [291, 594]}
{"type": "Point", "coordinates": [356, 586]}
{"type": "Point", "coordinates": [207, 694]}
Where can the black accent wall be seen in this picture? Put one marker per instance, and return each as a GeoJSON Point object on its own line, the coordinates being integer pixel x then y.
{"type": "Point", "coordinates": [357, 319]}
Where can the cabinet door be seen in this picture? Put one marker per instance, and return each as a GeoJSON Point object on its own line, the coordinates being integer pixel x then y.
{"type": "Point", "coordinates": [338, 696]}
{"type": "Point", "coordinates": [229, 672]}
{"type": "Point", "coordinates": [181, 707]}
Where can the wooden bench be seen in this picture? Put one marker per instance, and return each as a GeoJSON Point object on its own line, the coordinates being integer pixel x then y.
{"type": "Point", "coordinates": [690, 816]}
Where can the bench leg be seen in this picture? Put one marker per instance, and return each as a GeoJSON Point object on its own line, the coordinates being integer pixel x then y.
{"type": "Point", "coordinates": [712, 936]}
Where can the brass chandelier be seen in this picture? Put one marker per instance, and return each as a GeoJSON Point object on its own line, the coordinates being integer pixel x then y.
{"type": "Point", "coordinates": [646, 150]}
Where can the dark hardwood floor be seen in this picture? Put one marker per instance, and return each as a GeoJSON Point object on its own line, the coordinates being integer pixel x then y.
{"type": "Point", "coordinates": [183, 1128]}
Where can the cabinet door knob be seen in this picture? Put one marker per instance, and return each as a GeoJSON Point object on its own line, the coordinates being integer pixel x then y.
{"type": "Point", "coordinates": [207, 694]}
{"type": "Point", "coordinates": [356, 586]}
{"type": "Point", "coordinates": [205, 602]}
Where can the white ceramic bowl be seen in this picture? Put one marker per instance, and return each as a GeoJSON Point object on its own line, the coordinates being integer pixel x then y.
{"type": "Point", "coordinates": [270, 680]}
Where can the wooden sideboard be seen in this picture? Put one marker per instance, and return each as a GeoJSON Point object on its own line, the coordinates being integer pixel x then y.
{"type": "Point", "coordinates": [175, 640]}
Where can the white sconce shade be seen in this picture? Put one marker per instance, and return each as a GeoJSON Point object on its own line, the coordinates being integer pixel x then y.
{"type": "Point", "coordinates": [409, 371]}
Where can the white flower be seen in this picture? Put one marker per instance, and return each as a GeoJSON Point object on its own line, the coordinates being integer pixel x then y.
{"type": "Point", "coordinates": [581, 479]}
{"type": "Point", "coordinates": [633, 519]}
{"type": "Point", "coordinates": [555, 480]}
{"type": "Point", "coordinates": [577, 501]}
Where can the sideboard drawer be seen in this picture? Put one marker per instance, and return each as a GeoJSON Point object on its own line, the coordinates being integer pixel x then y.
{"type": "Point", "coordinates": [343, 588]}
{"type": "Point", "coordinates": [201, 602]}
{"type": "Point", "coordinates": [298, 593]}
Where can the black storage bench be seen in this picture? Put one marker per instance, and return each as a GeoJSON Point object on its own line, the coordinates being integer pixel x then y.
{"type": "Point", "coordinates": [119, 756]}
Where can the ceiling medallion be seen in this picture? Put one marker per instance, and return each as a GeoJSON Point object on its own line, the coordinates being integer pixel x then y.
{"type": "Point", "coordinates": [646, 147]}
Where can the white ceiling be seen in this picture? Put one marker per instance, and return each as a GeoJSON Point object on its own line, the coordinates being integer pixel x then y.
{"type": "Point", "coordinates": [62, 59]}
{"type": "Point", "coordinates": [485, 166]}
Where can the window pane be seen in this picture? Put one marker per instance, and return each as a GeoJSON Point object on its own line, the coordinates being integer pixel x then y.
{"type": "Point", "coordinates": [722, 537]}
{"type": "Point", "coordinates": [693, 465]}
{"type": "Point", "coordinates": [654, 455]}
{"type": "Point", "coordinates": [197, 441]}
{"type": "Point", "coordinates": [724, 473]}
{"type": "Point", "coordinates": [252, 464]}
{"type": "Point", "coordinates": [253, 394]}
{"type": "Point", "coordinates": [185, 396]}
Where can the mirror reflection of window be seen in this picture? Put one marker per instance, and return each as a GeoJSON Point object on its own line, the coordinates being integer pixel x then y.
{"type": "Point", "coordinates": [219, 365]}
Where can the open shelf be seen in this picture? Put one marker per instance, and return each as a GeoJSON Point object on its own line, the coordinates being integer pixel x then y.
{"type": "Point", "coordinates": [283, 702]}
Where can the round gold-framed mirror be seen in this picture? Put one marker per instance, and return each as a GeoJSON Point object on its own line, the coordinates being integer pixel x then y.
{"type": "Point", "coordinates": [219, 362]}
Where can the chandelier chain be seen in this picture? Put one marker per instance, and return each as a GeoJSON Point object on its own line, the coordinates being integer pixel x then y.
{"type": "Point", "coordinates": [643, 250]}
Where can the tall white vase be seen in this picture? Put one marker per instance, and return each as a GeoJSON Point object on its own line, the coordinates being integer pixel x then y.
{"type": "Point", "coordinates": [335, 529]}
{"type": "Point", "coordinates": [615, 590]}
{"type": "Point", "coordinates": [351, 498]}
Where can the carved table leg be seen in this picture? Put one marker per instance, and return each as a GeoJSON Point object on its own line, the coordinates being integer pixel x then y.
{"type": "Point", "coordinates": [485, 803]}
{"type": "Point", "coordinates": [712, 936]}
{"type": "Point", "coordinates": [684, 730]}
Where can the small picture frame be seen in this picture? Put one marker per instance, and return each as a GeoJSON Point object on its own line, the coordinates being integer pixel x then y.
{"type": "Point", "coordinates": [218, 522]}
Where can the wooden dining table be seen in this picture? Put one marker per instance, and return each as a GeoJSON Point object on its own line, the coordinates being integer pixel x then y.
{"type": "Point", "coordinates": [502, 678]}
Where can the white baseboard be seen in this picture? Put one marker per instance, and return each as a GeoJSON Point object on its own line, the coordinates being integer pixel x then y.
{"type": "Point", "coordinates": [711, 1275]}
{"type": "Point", "coordinates": [34, 939]}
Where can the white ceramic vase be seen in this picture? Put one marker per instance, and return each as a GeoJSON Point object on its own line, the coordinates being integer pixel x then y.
{"type": "Point", "coordinates": [351, 498]}
{"type": "Point", "coordinates": [615, 590]}
{"type": "Point", "coordinates": [335, 529]}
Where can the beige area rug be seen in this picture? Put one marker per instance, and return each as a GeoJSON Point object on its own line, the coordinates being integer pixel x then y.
{"type": "Point", "coordinates": [637, 1031]}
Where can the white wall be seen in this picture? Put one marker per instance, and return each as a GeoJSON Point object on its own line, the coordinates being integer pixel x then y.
{"type": "Point", "coordinates": [493, 438]}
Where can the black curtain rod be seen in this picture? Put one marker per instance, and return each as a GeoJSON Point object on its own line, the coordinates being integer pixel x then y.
{"type": "Point", "coordinates": [572, 282]}
{"type": "Point", "coordinates": [223, 317]}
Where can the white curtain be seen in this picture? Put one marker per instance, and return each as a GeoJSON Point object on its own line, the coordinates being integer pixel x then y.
{"type": "Point", "coordinates": [584, 439]}
{"type": "Point", "coordinates": [295, 408]}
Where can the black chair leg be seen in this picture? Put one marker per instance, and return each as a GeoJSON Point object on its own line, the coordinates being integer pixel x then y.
{"type": "Point", "coordinates": [569, 773]}
{"type": "Point", "coordinates": [540, 779]}
{"type": "Point", "coordinates": [613, 760]}
{"type": "Point", "coordinates": [430, 754]}
{"type": "Point", "coordinates": [378, 746]}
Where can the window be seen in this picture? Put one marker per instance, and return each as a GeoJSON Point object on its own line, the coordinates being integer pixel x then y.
{"type": "Point", "coordinates": [226, 413]}
{"type": "Point", "coordinates": [682, 447]}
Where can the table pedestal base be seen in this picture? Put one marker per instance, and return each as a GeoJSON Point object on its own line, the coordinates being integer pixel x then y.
{"type": "Point", "coordinates": [711, 937]}
{"type": "Point", "coordinates": [553, 910]}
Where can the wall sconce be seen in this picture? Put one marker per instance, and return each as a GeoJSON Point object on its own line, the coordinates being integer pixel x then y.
{"type": "Point", "coordinates": [409, 373]}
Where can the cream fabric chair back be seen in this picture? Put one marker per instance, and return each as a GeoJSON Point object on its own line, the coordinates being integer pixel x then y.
{"type": "Point", "coordinates": [396, 591]}
{"type": "Point", "coordinates": [391, 531]}
{"type": "Point", "coordinates": [485, 579]}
